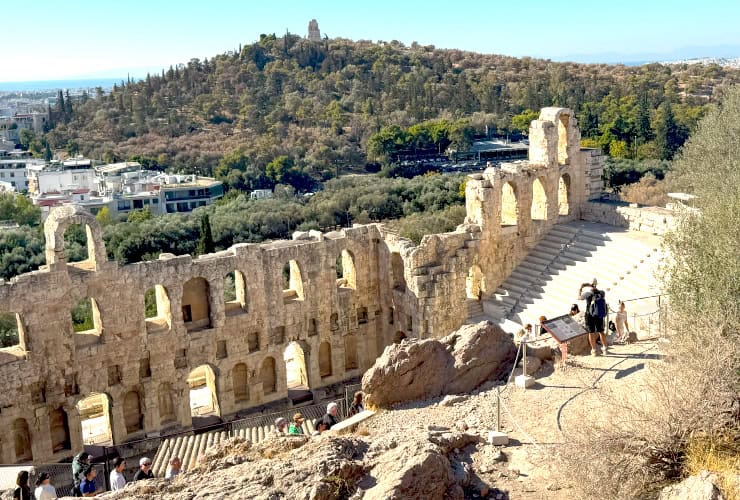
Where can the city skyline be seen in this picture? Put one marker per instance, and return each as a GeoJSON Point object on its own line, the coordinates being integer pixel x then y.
{"type": "Point", "coordinates": [90, 40]}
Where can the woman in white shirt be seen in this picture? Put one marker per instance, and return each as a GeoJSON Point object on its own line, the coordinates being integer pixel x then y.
{"type": "Point", "coordinates": [44, 490]}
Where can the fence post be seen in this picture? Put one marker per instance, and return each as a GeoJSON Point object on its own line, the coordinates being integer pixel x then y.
{"type": "Point", "coordinates": [106, 472]}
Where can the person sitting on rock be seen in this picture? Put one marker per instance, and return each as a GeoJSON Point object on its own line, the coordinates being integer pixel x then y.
{"type": "Point", "coordinates": [356, 406]}
{"type": "Point", "coordinates": [330, 419]}
{"type": "Point", "coordinates": [296, 427]}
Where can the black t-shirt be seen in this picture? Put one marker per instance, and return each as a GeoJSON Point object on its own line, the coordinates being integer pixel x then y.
{"type": "Point", "coordinates": [22, 493]}
{"type": "Point", "coordinates": [329, 420]}
{"type": "Point", "coordinates": [140, 474]}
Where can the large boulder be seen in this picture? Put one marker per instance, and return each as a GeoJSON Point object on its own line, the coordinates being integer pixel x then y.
{"type": "Point", "coordinates": [423, 369]}
{"type": "Point", "coordinates": [702, 486]}
{"type": "Point", "coordinates": [482, 351]}
{"type": "Point", "coordinates": [413, 369]}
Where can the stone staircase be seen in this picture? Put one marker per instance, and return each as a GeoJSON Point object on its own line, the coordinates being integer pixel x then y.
{"type": "Point", "coordinates": [547, 281]}
{"type": "Point", "coordinates": [475, 311]}
{"type": "Point", "coordinates": [190, 447]}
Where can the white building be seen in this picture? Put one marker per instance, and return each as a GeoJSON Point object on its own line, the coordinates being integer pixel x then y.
{"type": "Point", "coordinates": [14, 168]}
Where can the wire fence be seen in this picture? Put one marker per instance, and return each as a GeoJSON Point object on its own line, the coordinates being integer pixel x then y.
{"type": "Point", "coordinates": [310, 412]}
{"type": "Point", "coordinates": [646, 315]}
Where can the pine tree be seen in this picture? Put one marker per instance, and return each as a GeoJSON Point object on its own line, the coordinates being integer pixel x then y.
{"type": "Point", "coordinates": [642, 126]}
{"type": "Point", "coordinates": [666, 132]}
{"type": "Point", "coordinates": [47, 153]}
{"type": "Point", "coordinates": [68, 107]}
{"type": "Point", "coordinates": [205, 240]}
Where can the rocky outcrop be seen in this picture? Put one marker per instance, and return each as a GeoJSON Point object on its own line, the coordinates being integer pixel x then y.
{"type": "Point", "coordinates": [422, 369]}
{"type": "Point", "coordinates": [414, 464]}
{"type": "Point", "coordinates": [482, 352]}
{"type": "Point", "coordinates": [702, 486]}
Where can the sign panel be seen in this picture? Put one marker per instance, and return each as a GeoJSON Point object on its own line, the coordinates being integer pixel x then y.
{"type": "Point", "coordinates": [564, 328]}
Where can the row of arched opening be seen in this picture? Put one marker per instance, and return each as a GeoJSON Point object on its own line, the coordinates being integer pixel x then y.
{"type": "Point", "coordinates": [95, 410]}
{"type": "Point", "coordinates": [195, 305]}
{"type": "Point", "coordinates": [540, 202]}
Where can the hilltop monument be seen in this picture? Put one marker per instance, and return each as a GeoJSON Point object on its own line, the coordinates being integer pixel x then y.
{"type": "Point", "coordinates": [314, 34]}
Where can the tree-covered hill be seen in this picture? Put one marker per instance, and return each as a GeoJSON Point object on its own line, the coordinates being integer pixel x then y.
{"type": "Point", "coordinates": [314, 106]}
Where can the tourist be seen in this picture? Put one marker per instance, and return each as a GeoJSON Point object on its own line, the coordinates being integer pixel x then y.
{"type": "Point", "coordinates": [174, 468]}
{"type": "Point", "coordinates": [296, 426]}
{"type": "Point", "coordinates": [595, 314]}
{"type": "Point", "coordinates": [621, 323]}
{"type": "Point", "coordinates": [525, 334]}
{"type": "Point", "coordinates": [330, 419]}
{"type": "Point", "coordinates": [79, 463]}
{"type": "Point", "coordinates": [23, 491]}
{"type": "Point", "coordinates": [574, 310]}
{"type": "Point", "coordinates": [319, 426]}
{"type": "Point", "coordinates": [356, 406]}
{"type": "Point", "coordinates": [281, 426]}
{"type": "Point", "coordinates": [145, 470]}
{"type": "Point", "coordinates": [117, 479]}
{"type": "Point", "coordinates": [88, 487]}
{"type": "Point", "coordinates": [542, 319]}
{"type": "Point", "coordinates": [586, 290]}
{"type": "Point", "coordinates": [44, 489]}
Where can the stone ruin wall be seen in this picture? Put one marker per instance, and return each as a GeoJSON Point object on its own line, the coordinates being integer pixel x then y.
{"type": "Point", "coordinates": [395, 290]}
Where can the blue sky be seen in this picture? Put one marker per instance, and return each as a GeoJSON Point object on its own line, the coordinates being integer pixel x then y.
{"type": "Point", "coordinates": [82, 38]}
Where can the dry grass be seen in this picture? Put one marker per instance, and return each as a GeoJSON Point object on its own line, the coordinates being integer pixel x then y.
{"type": "Point", "coordinates": [645, 436]}
{"type": "Point", "coordinates": [648, 191]}
{"type": "Point", "coordinates": [721, 456]}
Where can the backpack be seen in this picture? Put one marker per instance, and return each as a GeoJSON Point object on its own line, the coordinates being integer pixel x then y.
{"type": "Point", "coordinates": [597, 306]}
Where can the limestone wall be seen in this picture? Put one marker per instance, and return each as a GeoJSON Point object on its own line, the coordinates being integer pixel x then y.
{"type": "Point", "coordinates": [391, 289]}
{"type": "Point", "coordinates": [653, 220]}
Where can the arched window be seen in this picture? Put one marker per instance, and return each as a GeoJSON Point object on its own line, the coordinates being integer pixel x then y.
{"type": "Point", "coordinates": [539, 200]}
{"type": "Point", "coordinates": [157, 309]}
{"type": "Point", "coordinates": [397, 275]}
{"type": "Point", "coordinates": [132, 412]}
{"type": "Point", "coordinates": [196, 305]}
{"type": "Point", "coordinates": [325, 365]}
{"type": "Point", "coordinates": [350, 353]}
{"type": "Point", "coordinates": [292, 282]}
{"type": "Point", "coordinates": [475, 283]}
{"type": "Point", "coordinates": [11, 331]}
{"type": "Point", "coordinates": [268, 377]}
{"type": "Point", "coordinates": [564, 195]}
{"type": "Point", "coordinates": [509, 207]}
{"type": "Point", "coordinates": [202, 384]}
{"type": "Point", "coordinates": [346, 275]}
{"type": "Point", "coordinates": [22, 441]}
{"type": "Point", "coordinates": [296, 372]}
{"type": "Point", "coordinates": [563, 139]}
{"type": "Point", "coordinates": [59, 430]}
{"type": "Point", "coordinates": [86, 317]}
{"type": "Point", "coordinates": [239, 382]}
{"type": "Point", "coordinates": [167, 412]}
{"type": "Point", "coordinates": [94, 411]}
{"type": "Point", "coordinates": [235, 293]}
{"type": "Point", "coordinates": [76, 243]}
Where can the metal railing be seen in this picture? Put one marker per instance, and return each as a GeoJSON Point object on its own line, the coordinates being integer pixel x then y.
{"type": "Point", "coordinates": [645, 314]}
{"type": "Point", "coordinates": [309, 412]}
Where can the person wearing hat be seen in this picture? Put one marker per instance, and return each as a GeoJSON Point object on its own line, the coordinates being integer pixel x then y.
{"type": "Point", "coordinates": [295, 427]}
{"type": "Point", "coordinates": [145, 470]}
{"type": "Point", "coordinates": [44, 490]}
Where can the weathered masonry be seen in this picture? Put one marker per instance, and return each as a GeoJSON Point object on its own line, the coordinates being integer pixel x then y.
{"type": "Point", "coordinates": [166, 342]}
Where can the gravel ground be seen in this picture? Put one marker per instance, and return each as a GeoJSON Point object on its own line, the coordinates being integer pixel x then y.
{"type": "Point", "coordinates": [534, 419]}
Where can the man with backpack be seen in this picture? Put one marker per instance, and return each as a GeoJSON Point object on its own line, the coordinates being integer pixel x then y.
{"type": "Point", "coordinates": [596, 311]}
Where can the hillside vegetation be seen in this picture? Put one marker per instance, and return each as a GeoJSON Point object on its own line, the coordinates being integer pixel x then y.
{"type": "Point", "coordinates": [286, 110]}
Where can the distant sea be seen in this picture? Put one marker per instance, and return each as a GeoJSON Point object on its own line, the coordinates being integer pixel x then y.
{"type": "Point", "coordinates": [38, 85]}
